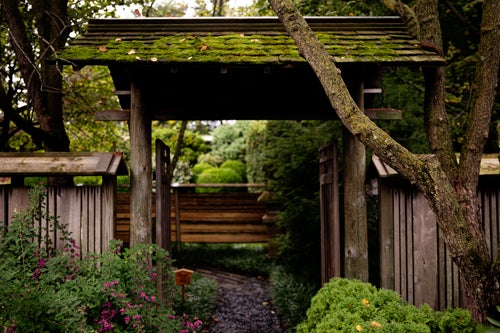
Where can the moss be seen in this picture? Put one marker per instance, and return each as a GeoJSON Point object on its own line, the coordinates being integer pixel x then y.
{"type": "Point", "coordinates": [230, 48]}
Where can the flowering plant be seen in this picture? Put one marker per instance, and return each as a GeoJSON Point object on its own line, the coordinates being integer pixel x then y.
{"type": "Point", "coordinates": [50, 290]}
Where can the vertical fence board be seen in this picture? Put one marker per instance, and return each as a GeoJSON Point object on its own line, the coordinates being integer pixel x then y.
{"type": "Point", "coordinates": [95, 204]}
{"type": "Point", "coordinates": [386, 211]}
{"type": "Point", "coordinates": [108, 213]}
{"type": "Point", "coordinates": [423, 271]}
{"type": "Point", "coordinates": [80, 209]}
{"type": "Point", "coordinates": [397, 248]}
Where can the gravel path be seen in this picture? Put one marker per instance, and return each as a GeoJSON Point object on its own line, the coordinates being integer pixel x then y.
{"type": "Point", "coordinates": [244, 305]}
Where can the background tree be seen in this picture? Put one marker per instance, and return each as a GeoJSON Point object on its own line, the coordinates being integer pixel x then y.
{"type": "Point", "coordinates": [290, 164]}
{"type": "Point", "coordinates": [31, 82]}
{"type": "Point", "coordinates": [45, 22]}
{"type": "Point", "coordinates": [450, 187]}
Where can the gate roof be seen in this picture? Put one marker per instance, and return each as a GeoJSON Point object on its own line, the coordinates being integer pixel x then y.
{"type": "Point", "coordinates": [238, 68]}
{"type": "Point", "coordinates": [240, 41]}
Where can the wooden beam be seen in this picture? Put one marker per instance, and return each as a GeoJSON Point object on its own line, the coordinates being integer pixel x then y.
{"type": "Point", "coordinates": [113, 115]}
{"type": "Point", "coordinates": [124, 115]}
{"type": "Point", "coordinates": [384, 114]}
{"type": "Point", "coordinates": [355, 212]}
{"type": "Point", "coordinates": [140, 169]}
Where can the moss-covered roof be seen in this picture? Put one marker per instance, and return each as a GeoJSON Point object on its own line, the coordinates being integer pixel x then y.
{"type": "Point", "coordinates": [249, 40]}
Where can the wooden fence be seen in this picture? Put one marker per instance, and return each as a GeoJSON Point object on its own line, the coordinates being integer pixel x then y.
{"type": "Point", "coordinates": [414, 260]}
{"type": "Point", "coordinates": [232, 217]}
{"type": "Point", "coordinates": [87, 211]}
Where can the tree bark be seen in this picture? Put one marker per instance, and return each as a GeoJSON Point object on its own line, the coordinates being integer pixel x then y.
{"type": "Point", "coordinates": [43, 81]}
{"type": "Point", "coordinates": [426, 173]}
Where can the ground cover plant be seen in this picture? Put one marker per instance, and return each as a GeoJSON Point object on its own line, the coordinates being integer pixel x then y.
{"type": "Point", "coordinates": [246, 259]}
{"type": "Point", "coordinates": [349, 305]}
{"type": "Point", "coordinates": [50, 290]}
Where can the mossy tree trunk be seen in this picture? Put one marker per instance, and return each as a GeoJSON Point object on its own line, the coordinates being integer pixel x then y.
{"type": "Point", "coordinates": [450, 188]}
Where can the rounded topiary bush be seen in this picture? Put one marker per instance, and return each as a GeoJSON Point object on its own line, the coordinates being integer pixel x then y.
{"type": "Point", "coordinates": [217, 176]}
{"type": "Point", "coordinates": [348, 305]}
{"type": "Point", "coordinates": [237, 166]}
{"type": "Point", "coordinates": [199, 168]}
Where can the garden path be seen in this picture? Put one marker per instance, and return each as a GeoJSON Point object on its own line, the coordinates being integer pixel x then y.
{"type": "Point", "coordinates": [244, 305]}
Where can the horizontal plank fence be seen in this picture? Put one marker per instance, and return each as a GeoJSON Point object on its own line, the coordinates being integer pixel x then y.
{"type": "Point", "coordinates": [86, 211]}
{"type": "Point", "coordinates": [232, 217]}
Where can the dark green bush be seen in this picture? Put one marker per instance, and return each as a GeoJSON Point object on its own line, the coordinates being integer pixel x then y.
{"type": "Point", "coordinates": [348, 305]}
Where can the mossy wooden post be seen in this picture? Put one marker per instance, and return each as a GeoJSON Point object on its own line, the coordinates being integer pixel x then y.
{"type": "Point", "coordinates": [355, 215]}
{"type": "Point", "coordinates": [140, 168]}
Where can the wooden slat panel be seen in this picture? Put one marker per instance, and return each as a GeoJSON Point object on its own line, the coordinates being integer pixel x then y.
{"type": "Point", "coordinates": [207, 217]}
{"type": "Point", "coordinates": [223, 238]}
{"type": "Point", "coordinates": [222, 228]}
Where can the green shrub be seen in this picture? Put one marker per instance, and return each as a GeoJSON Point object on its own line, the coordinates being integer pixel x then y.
{"type": "Point", "coordinates": [348, 305]}
{"type": "Point", "coordinates": [199, 168]}
{"type": "Point", "coordinates": [217, 176]}
{"type": "Point", "coordinates": [237, 166]}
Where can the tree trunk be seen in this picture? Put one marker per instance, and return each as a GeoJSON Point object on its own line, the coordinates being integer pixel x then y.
{"type": "Point", "coordinates": [427, 174]}
{"type": "Point", "coordinates": [43, 80]}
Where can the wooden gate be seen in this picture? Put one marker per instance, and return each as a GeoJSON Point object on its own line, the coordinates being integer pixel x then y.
{"type": "Point", "coordinates": [162, 225]}
{"type": "Point", "coordinates": [330, 213]}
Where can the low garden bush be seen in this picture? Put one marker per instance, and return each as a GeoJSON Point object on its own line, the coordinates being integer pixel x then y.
{"type": "Point", "coordinates": [54, 290]}
{"type": "Point", "coordinates": [217, 176]}
{"type": "Point", "coordinates": [291, 295]}
{"type": "Point", "coordinates": [348, 305]}
{"type": "Point", "coordinates": [237, 166]}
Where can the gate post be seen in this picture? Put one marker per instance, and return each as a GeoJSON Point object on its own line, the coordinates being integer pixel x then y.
{"type": "Point", "coordinates": [162, 225]}
{"type": "Point", "coordinates": [330, 213]}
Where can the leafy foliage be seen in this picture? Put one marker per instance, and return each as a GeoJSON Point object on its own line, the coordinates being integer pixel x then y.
{"type": "Point", "coordinates": [200, 298]}
{"type": "Point", "coordinates": [86, 92]}
{"type": "Point", "coordinates": [291, 295]}
{"type": "Point", "coordinates": [348, 305]}
{"type": "Point", "coordinates": [229, 141]}
{"type": "Point", "coordinates": [53, 290]}
{"type": "Point", "coordinates": [404, 90]}
{"type": "Point", "coordinates": [237, 166]}
{"type": "Point", "coordinates": [291, 165]}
